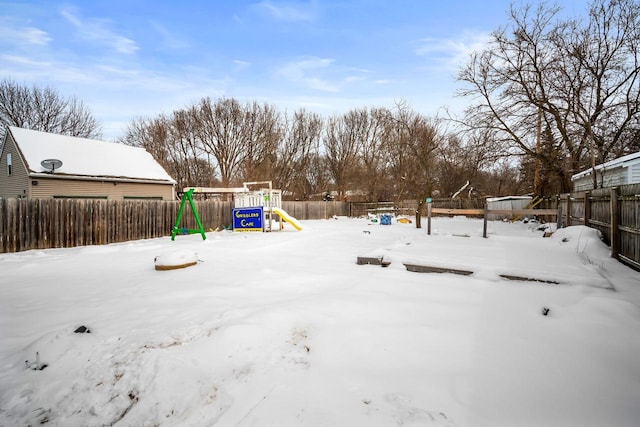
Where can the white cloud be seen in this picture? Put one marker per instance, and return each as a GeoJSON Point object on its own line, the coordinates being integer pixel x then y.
{"type": "Point", "coordinates": [23, 35]}
{"type": "Point", "coordinates": [351, 79]}
{"type": "Point", "coordinates": [49, 70]}
{"type": "Point", "coordinates": [36, 36]}
{"type": "Point", "coordinates": [323, 74]}
{"type": "Point", "coordinates": [453, 52]}
{"type": "Point", "coordinates": [24, 61]}
{"type": "Point", "coordinates": [305, 72]}
{"type": "Point", "coordinates": [98, 30]}
{"type": "Point", "coordinates": [241, 65]}
{"type": "Point", "coordinates": [289, 12]}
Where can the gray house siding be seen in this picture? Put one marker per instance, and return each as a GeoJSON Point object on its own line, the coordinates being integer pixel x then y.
{"type": "Point", "coordinates": [16, 183]}
{"type": "Point", "coordinates": [608, 178]}
{"type": "Point", "coordinates": [634, 173]}
{"type": "Point", "coordinates": [622, 171]}
{"type": "Point", "coordinates": [44, 187]}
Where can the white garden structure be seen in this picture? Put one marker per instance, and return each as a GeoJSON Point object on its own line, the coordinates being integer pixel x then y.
{"type": "Point", "coordinates": [255, 194]}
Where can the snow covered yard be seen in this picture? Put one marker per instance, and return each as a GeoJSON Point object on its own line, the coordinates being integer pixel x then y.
{"type": "Point", "coordinates": [285, 329]}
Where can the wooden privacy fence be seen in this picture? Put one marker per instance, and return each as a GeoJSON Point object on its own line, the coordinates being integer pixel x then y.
{"type": "Point", "coordinates": [315, 209]}
{"type": "Point", "coordinates": [59, 223]}
{"type": "Point", "coordinates": [613, 211]}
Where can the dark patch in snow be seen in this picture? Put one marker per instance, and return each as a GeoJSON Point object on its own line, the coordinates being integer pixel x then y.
{"type": "Point", "coordinates": [528, 279]}
{"type": "Point", "coordinates": [133, 398]}
{"type": "Point", "coordinates": [364, 260]}
{"type": "Point", "coordinates": [43, 415]}
{"type": "Point", "coordinates": [431, 269]}
{"type": "Point", "coordinates": [35, 365]}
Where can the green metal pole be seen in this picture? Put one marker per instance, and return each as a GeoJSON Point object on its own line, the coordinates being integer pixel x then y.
{"type": "Point", "coordinates": [188, 196]}
{"type": "Point", "coordinates": [195, 214]}
{"type": "Point", "coordinates": [176, 226]}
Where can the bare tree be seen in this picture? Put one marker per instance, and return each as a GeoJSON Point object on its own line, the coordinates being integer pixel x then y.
{"type": "Point", "coordinates": [369, 128]}
{"type": "Point", "coordinates": [192, 164]}
{"type": "Point", "coordinates": [263, 130]}
{"type": "Point", "coordinates": [342, 144]}
{"type": "Point", "coordinates": [465, 156]}
{"type": "Point", "coordinates": [172, 143]}
{"type": "Point", "coordinates": [43, 109]}
{"type": "Point", "coordinates": [606, 54]}
{"type": "Point", "coordinates": [222, 131]}
{"type": "Point", "coordinates": [317, 178]}
{"type": "Point", "coordinates": [412, 141]}
{"type": "Point", "coordinates": [297, 150]}
{"type": "Point", "coordinates": [456, 166]}
{"type": "Point", "coordinates": [579, 80]}
{"type": "Point", "coordinates": [152, 135]}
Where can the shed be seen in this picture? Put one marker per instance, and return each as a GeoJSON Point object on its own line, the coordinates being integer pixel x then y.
{"type": "Point", "coordinates": [621, 171]}
{"type": "Point", "coordinates": [37, 164]}
{"type": "Point", "coordinates": [507, 203]}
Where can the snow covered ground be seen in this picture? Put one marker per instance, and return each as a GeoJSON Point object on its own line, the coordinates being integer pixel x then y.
{"type": "Point", "coordinates": [286, 329]}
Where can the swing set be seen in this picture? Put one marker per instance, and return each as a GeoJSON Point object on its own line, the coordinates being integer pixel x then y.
{"type": "Point", "coordinates": [269, 200]}
{"type": "Point", "coordinates": [187, 197]}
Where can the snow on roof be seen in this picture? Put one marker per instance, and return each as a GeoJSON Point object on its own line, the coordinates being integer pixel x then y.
{"type": "Point", "coordinates": [619, 162]}
{"type": "Point", "coordinates": [87, 157]}
{"type": "Point", "coordinates": [502, 199]}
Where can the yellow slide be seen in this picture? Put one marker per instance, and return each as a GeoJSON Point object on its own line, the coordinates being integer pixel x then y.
{"type": "Point", "coordinates": [287, 218]}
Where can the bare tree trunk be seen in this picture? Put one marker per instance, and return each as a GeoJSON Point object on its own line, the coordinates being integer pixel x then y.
{"type": "Point", "coordinates": [421, 203]}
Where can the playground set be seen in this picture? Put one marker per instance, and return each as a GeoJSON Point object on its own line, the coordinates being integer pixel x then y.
{"type": "Point", "coordinates": [254, 209]}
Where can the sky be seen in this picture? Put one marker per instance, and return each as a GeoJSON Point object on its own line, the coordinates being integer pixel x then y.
{"type": "Point", "coordinates": [129, 59]}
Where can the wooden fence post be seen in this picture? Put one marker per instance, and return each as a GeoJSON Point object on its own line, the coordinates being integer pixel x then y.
{"type": "Point", "coordinates": [615, 219]}
{"type": "Point", "coordinates": [587, 208]}
{"type": "Point", "coordinates": [484, 226]}
{"type": "Point", "coordinates": [559, 215]}
{"type": "Point", "coordinates": [568, 221]}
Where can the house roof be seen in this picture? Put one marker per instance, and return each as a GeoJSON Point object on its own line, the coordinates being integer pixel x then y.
{"type": "Point", "coordinates": [623, 161]}
{"type": "Point", "coordinates": [86, 157]}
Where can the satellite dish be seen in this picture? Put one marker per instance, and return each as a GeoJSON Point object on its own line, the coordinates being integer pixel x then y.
{"type": "Point", "coordinates": [51, 164]}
